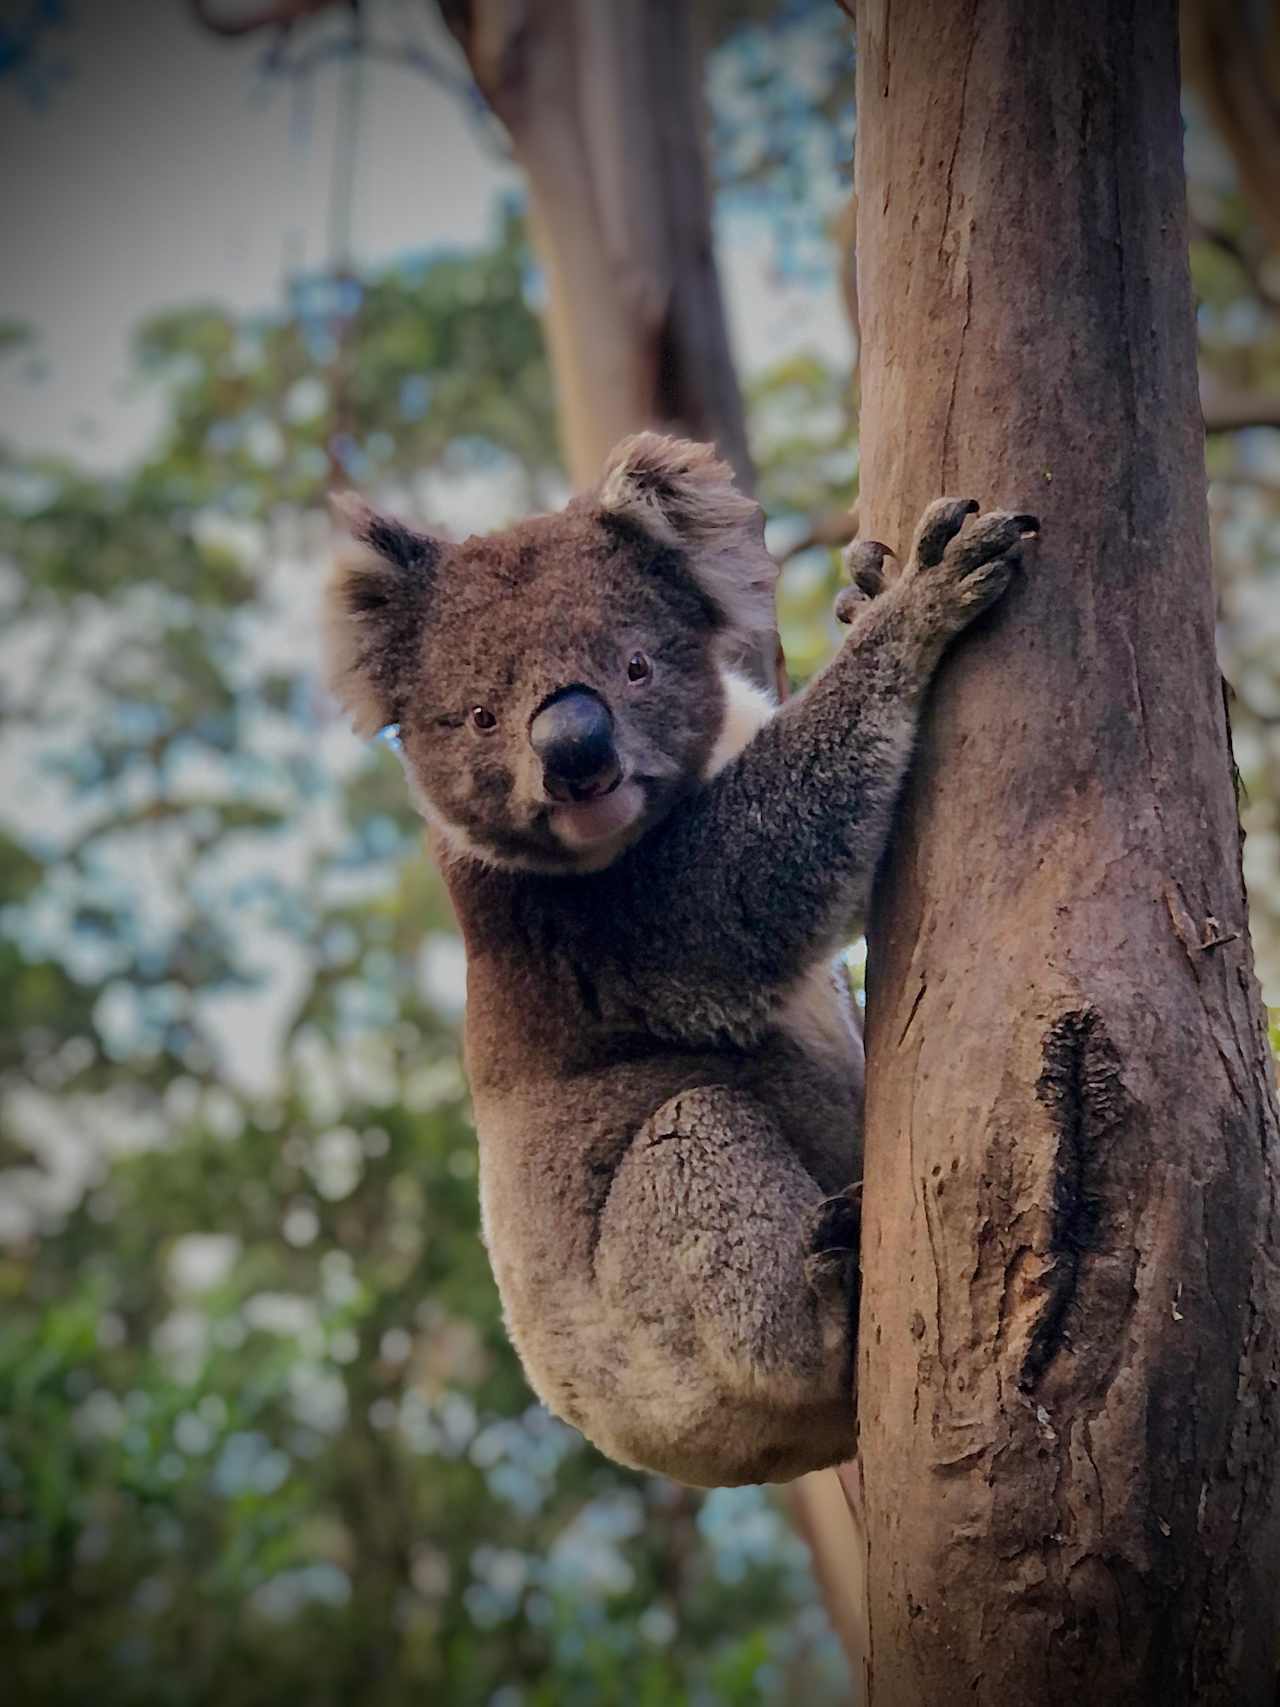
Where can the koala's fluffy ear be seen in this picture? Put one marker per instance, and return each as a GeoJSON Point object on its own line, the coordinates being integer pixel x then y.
{"type": "Point", "coordinates": [375, 606]}
{"type": "Point", "coordinates": [683, 495]}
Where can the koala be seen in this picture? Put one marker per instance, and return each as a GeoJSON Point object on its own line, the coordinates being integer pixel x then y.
{"type": "Point", "coordinates": [653, 866]}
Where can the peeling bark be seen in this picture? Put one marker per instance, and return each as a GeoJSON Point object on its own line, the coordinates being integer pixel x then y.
{"type": "Point", "coordinates": [1068, 1353]}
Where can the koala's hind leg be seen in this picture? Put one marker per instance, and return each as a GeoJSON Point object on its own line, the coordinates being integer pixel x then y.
{"type": "Point", "coordinates": [729, 1277]}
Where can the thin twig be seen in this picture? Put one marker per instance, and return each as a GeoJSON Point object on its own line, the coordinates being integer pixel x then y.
{"type": "Point", "coordinates": [280, 63]}
{"type": "Point", "coordinates": [837, 527]}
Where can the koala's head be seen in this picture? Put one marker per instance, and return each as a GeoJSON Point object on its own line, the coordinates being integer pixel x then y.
{"type": "Point", "coordinates": [558, 686]}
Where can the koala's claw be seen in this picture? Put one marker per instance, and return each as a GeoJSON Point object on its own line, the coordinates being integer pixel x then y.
{"type": "Point", "coordinates": [837, 1221]}
{"type": "Point", "coordinates": [939, 525]}
{"type": "Point", "coordinates": [831, 1267]}
{"type": "Point", "coordinates": [975, 563]}
{"type": "Point", "coordinates": [864, 559]}
{"type": "Point", "coordinates": [993, 536]}
{"type": "Point", "coordinates": [962, 561]}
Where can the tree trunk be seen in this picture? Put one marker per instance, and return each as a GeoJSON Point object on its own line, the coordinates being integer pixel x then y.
{"type": "Point", "coordinates": [1068, 1363]}
{"type": "Point", "coordinates": [603, 102]}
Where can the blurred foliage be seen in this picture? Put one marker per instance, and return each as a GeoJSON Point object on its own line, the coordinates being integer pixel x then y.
{"type": "Point", "coordinates": [435, 365]}
{"type": "Point", "coordinates": [804, 440]}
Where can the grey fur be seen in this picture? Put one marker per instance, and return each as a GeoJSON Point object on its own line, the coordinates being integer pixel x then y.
{"type": "Point", "coordinates": [667, 1081]}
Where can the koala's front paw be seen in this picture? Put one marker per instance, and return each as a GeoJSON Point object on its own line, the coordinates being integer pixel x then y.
{"type": "Point", "coordinates": [960, 569]}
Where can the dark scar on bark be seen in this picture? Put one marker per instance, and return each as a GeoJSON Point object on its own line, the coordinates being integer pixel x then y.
{"type": "Point", "coordinates": [1080, 1085]}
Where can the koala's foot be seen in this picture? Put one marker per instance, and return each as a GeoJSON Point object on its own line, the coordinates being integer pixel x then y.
{"type": "Point", "coordinates": [831, 1266]}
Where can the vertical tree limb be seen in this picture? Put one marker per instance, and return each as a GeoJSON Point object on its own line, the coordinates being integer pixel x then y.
{"type": "Point", "coordinates": [603, 103]}
{"type": "Point", "coordinates": [1231, 52]}
{"type": "Point", "coordinates": [1068, 1353]}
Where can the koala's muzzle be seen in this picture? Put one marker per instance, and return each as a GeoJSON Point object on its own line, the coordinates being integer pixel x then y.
{"type": "Point", "coordinates": [573, 738]}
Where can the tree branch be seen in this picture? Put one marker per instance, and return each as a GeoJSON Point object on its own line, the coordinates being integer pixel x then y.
{"type": "Point", "coordinates": [1245, 482]}
{"type": "Point", "coordinates": [1229, 55]}
{"type": "Point", "coordinates": [277, 14]}
{"type": "Point", "coordinates": [1227, 410]}
{"type": "Point", "coordinates": [403, 54]}
{"type": "Point", "coordinates": [835, 527]}
{"type": "Point", "coordinates": [282, 15]}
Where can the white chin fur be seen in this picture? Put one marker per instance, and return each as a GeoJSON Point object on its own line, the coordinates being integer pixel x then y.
{"type": "Point", "coordinates": [747, 709]}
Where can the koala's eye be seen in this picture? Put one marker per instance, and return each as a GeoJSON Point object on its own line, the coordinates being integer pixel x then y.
{"type": "Point", "coordinates": [639, 669]}
{"type": "Point", "coordinates": [483, 719]}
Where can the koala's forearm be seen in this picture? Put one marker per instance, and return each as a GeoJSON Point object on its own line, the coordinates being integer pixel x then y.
{"type": "Point", "coordinates": [765, 870]}
{"type": "Point", "coordinates": [837, 755]}
{"type": "Point", "coordinates": [813, 796]}
{"type": "Point", "coordinates": [772, 862]}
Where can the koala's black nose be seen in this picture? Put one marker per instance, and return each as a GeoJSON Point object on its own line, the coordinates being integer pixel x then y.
{"type": "Point", "coordinates": [573, 737]}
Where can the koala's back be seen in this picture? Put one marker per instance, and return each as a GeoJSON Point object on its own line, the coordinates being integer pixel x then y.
{"type": "Point", "coordinates": [572, 1048]}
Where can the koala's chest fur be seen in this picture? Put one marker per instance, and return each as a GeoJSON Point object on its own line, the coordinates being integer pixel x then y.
{"type": "Point", "coordinates": [573, 1041]}
{"type": "Point", "coordinates": [562, 995]}
{"type": "Point", "coordinates": [557, 988]}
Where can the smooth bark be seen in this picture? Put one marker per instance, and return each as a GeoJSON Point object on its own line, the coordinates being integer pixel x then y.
{"type": "Point", "coordinates": [603, 102]}
{"type": "Point", "coordinates": [602, 99]}
{"type": "Point", "coordinates": [1068, 1360]}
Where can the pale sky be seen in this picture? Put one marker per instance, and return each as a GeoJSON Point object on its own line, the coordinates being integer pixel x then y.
{"type": "Point", "coordinates": [167, 168]}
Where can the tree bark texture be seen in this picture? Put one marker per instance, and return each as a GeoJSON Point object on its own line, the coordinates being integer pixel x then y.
{"type": "Point", "coordinates": [603, 102]}
{"type": "Point", "coordinates": [1068, 1354]}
